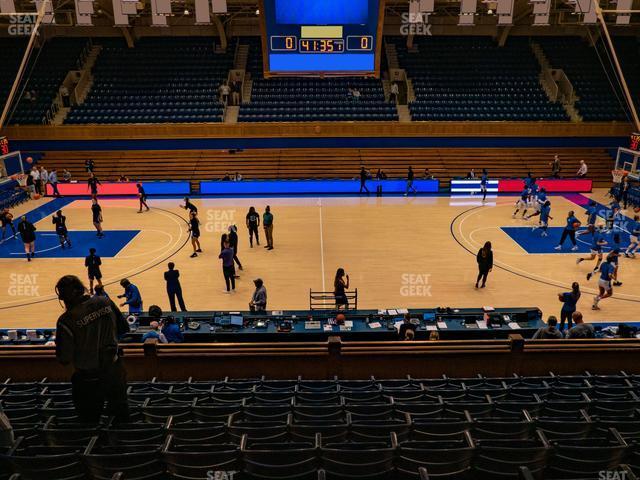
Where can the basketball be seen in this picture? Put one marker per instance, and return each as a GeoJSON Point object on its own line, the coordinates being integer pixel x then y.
{"type": "Point", "coordinates": [37, 196]}
{"type": "Point", "coordinates": [576, 224]}
{"type": "Point", "coordinates": [29, 160]}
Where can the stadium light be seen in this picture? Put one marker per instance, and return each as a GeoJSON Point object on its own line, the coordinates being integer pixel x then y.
{"type": "Point", "coordinates": [623, 6]}
{"type": "Point", "coordinates": [7, 6]}
{"type": "Point", "coordinates": [468, 10]}
{"type": "Point", "coordinates": [219, 6]}
{"type": "Point", "coordinates": [203, 14]}
{"type": "Point", "coordinates": [84, 10]}
{"type": "Point", "coordinates": [48, 18]}
{"type": "Point", "coordinates": [541, 9]}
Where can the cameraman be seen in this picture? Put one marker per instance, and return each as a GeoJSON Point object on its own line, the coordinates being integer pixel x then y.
{"type": "Point", "coordinates": [87, 337]}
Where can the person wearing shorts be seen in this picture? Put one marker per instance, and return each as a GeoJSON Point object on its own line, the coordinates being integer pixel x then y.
{"type": "Point", "coordinates": [194, 228]}
{"type": "Point", "coordinates": [93, 262]}
{"type": "Point", "coordinates": [522, 203]}
{"type": "Point", "coordinates": [6, 220]}
{"type": "Point", "coordinates": [60, 221]}
{"type": "Point", "coordinates": [96, 213]}
{"type": "Point", "coordinates": [607, 274]}
{"type": "Point", "coordinates": [597, 244]}
{"type": "Point", "coordinates": [27, 232]}
{"type": "Point", "coordinates": [634, 236]}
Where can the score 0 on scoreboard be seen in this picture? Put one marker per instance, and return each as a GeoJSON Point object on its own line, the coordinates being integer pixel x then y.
{"type": "Point", "coordinates": [322, 37]}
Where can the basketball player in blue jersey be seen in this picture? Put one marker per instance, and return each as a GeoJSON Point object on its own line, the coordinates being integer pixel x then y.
{"type": "Point", "coordinates": [569, 231]}
{"type": "Point", "coordinates": [592, 213]}
{"type": "Point", "coordinates": [538, 201]}
{"type": "Point", "coordinates": [634, 235]}
{"type": "Point", "coordinates": [607, 274]}
{"type": "Point", "coordinates": [597, 243]}
{"type": "Point", "coordinates": [522, 203]}
{"type": "Point", "coordinates": [545, 216]}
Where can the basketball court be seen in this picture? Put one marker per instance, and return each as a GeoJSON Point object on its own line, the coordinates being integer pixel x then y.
{"type": "Point", "coordinates": [366, 235]}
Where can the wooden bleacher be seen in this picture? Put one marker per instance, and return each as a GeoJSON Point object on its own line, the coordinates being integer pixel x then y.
{"type": "Point", "coordinates": [196, 165]}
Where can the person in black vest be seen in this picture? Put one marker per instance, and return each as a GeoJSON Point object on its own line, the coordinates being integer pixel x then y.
{"type": "Point", "coordinates": [87, 337]}
{"type": "Point", "coordinates": [174, 289]}
{"type": "Point", "coordinates": [93, 262]}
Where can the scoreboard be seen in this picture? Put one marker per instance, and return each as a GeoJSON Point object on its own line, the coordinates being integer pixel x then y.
{"type": "Point", "coordinates": [318, 37]}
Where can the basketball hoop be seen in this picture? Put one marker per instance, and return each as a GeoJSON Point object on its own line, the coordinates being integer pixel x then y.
{"type": "Point", "coordinates": [618, 175]}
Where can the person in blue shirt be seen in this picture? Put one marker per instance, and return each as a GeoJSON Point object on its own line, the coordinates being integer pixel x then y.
{"type": "Point", "coordinates": [607, 274]}
{"type": "Point", "coordinates": [132, 295]}
{"type": "Point", "coordinates": [569, 301]}
{"type": "Point", "coordinates": [597, 243]}
{"type": "Point", "coordinates": [545, 211]}
{"type": "Point", "coordinates": [569, 231]}
{"type": "Point", "coordinates": [634, 235]}
{"type": "Point", "coordinates": [539, 200]}
{"type": "Point", "coordinates": [154, 333]}
{"type": "Point", "coordinates": [592, 212]}
{"type": "Point", "coordinates": [522, 203]}
{"type": "Point", "coordinates": [171, 330]}
{"type": "Point", "coordinates": [484, 180]}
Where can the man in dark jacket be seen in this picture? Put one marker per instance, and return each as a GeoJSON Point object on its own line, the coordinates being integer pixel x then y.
{"type": "Point", "coordinates": [233, 242]}
{"type": "Point", "coordinates": [87, 337]}
{"type": "Point", "coordinates": [174, 289]}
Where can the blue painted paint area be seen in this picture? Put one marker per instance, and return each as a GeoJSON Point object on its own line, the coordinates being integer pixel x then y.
{"type": "Point", "coordinates": [533, 242]}
{"type": "Point", "coordinates": [48, 246]}
{"type": "Point", "coordinates": [46, 210]}
{"type": "Point", "coordinates": [328, 142]}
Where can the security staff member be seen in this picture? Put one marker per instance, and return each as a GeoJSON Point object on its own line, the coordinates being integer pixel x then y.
{"type": "Point", "coordinates": [174, 289]}
{"type": "Point", "coordinates": [87, 337]}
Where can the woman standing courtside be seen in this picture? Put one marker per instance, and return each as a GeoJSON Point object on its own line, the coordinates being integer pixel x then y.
{"type": "Point", "coordinates": [194, 228]}
{"type": "Point", "coordinates": [485, 263]}
{"type": "Point", "coordinates": [569, 301]}
{"type": "Point", "coordinates": [27, 232]}
{"type": "Point", "coordinates": [340, 285]}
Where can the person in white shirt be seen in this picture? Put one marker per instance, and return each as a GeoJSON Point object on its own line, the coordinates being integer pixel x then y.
{"type": "Point", "coordinates": [66, 176]}
{"type": "Point", "coordinates": [582, 171]}
{"type": "Point", "coordinates": [356, 94]}
{"type": "Point", "coordinates": [224, 92]}
{"type": "Point", "coordinates": [395, 90]}
{"type": "Point", "coordinates": [44, 177]}
{"type": "Point", "coordinates": [35, 175]}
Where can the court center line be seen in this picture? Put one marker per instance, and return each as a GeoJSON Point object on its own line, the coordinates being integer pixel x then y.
{"type": "Point", "coordinates": [321, 244]}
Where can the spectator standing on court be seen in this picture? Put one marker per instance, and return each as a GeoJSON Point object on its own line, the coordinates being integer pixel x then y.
{"type": "Point", "coordinates": [485, 263]}
{"type": "Point", "coordinates": [53, 180]}
{"type": "Point", "coordinates": [410, 177]}
{"type": "Point", "coordinates": [87, 337]}
{"type": "Point", "coordinates": [35, 175]}
{"type": "Point", "coordinates": [228, 270]}
{"type": "Point", "coordinates": [569, 301]}
{"type": "Point", "coordinates": [253, 222]}
{"type": "Point", "coordinates": [233, 242]}
{"type": "Point", "coordinates": [132, 297]}
{"type": "Point", "coordinates": [581, 329]}
{"type": "Point", "coordinates": [340, 287]}
{"type": "Point", "coordinates": [66, 176]}
{"type": "Point", "coordinates": [582, 170]}
{"type": "Point", "coordinates": [364, 175]}
{"type": "Point", "coordinates": [258, 301]}
{"type": "Point", "coordinates": [267, 224]}
{"type": "Point", "coordinates": [44, 179]}
{"type": "Point", "coordinates": [550, 332]}
{"type": "Point", "coordinates": [174, 289]}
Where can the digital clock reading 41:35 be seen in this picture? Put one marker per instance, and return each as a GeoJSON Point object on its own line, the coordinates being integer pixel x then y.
{"type": "Point", "coordinates": [355, 43]}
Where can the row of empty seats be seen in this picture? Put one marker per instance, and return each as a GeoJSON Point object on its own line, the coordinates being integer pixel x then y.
{"type": "Point", "coordinates": [160, 80]}
{"type": "Point", "coordinates": [559, 427]}
{"type": "Point", "coordinates": [449, 73]}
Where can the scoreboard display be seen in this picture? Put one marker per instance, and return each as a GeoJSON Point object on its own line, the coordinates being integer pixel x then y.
{"type": "Point", "coordinates": [318, 37]}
